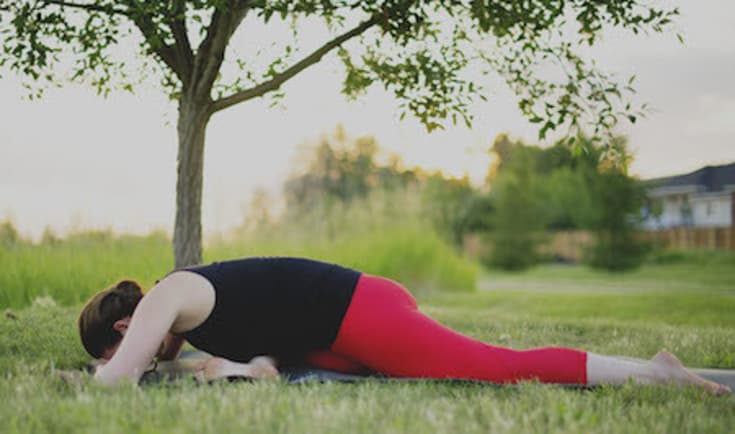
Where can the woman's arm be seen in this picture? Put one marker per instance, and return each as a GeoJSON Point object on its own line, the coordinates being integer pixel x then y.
{"type": "Point", "coordinates": [151, 321]}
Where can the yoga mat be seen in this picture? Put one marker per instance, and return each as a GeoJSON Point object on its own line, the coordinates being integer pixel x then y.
{"type": "Point", "coordinates": [183, 367]}
{"type": "Point", "coordinates": [306, 374]}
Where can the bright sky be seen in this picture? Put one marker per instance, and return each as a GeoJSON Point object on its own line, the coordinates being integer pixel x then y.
{"type": "Point", "coordinates": [74, 159]}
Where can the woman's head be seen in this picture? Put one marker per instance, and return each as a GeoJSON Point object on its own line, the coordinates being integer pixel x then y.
{"type": "Point", "coordinates": [97, 322]}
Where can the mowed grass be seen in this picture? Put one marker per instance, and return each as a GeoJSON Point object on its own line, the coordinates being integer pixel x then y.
{"type": "Point", "coordinates": [556, 292]}
{"type": "Point", "coordinates": [615, 315]}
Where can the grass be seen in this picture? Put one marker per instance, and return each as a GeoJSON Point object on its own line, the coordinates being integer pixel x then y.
{"type": "Point", "coordinates": [605, 313]}
{"type": "Point", "coordinates": [71, 270]}
{"type": "Point", "coordinates": [684, 272]}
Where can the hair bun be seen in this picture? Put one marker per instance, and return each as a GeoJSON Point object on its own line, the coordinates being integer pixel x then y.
{"type": "Point", "coordinates": [128, 287]}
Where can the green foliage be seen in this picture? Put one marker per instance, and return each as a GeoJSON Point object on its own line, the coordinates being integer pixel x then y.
{"type": "Point", "coordinates": [564, 188]}
{"type": "Point", "coordinates": [450, 203]}
{"type": "Point", "coordinates": [340, 170]}
{"type": "Point", "coordinates": [533, 191]}
{"type": "Point", "coordinates": [517, 221]}
{"type": "Point", "coordinates": [619, 199]}
{"type": "Point", "coordinates": [8, 234]}
{"type": "Point", "coordinates": [421, 51]}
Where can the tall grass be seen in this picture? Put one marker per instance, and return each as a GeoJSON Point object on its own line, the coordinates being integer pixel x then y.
{"type": "Point", "coordinates": [415, 256]}
{"type": "Point", "coordinates": [71, 270]}
{"type": "Point", "coordinates": [371, 235]}
{"type": "Point", "coordinates": [384, 234]}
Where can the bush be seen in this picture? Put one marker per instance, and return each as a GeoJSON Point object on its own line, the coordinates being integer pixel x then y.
{"type": "Point", "coordinates": [512, 251]}
{"type": "Point", "coordinates": [619, 199]}
{"type": "Point", "coordinates": [8, 234]}
{"type": "Point", "coordinates": [518, 216]}
{"type": "Point", "coordinates": [617, 254]}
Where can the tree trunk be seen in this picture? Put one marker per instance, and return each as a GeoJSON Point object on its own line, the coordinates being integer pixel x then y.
{"type": "Point", "coordinates": [193, 118]}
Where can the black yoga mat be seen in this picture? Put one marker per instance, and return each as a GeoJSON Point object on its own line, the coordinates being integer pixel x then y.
{"type": "Point", "coordinates": [168, 371]}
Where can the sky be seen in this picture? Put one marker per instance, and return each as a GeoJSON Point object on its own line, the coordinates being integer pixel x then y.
{"type": "Point", "coordinates": [74, 160]}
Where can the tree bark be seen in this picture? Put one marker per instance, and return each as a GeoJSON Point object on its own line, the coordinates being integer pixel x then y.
{"type": "Point", "coordinates": [194, 115]}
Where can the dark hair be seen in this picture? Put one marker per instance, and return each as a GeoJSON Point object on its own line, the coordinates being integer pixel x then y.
{"type": "Point", "coordinates": [99, 315]}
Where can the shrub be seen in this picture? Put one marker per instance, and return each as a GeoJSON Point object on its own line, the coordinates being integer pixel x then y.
{"type": "Point", "coordinates": [619, 199]}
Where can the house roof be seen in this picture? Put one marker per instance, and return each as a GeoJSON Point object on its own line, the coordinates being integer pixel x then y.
{"type": "Point", "coordinates": [709, 179]}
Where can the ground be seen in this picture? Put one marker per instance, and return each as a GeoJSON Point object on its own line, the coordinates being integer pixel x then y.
{"type": "Point", "coordinates": [687, 312]}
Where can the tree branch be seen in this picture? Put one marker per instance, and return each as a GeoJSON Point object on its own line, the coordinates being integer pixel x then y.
{"type": "Point", "coordinates": [87, 7]}
{"type": "Point", "coordinates": [184, 55]}
{"type": "Point", "coordinates": [145, 23]}
{"type": "Point", "coordinates": [284, 76]}
{"type": "Point", "coordinates": [211, 52]}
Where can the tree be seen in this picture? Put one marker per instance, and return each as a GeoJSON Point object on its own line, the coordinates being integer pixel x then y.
{"type": "Point", "coordinates": [338, 169]}
{"type": "Point", "coordinates": [618, 200]}
{"type": "Point", "coordinates": [450, 203]}
{"type": "Point", "coordinates": [518, 219]}
{"type": "Point", "coordinates": [422, 51]}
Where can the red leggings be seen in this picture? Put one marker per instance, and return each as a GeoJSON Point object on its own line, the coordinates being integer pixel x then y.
{"type": "Point", "coordinates": [384, 331]}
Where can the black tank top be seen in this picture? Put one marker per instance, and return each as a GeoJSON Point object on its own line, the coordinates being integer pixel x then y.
{"type": "Point", "coordinates": [284, 307]}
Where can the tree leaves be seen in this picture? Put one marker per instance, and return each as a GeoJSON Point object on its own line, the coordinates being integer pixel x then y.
{"type": "Point", "coordinates": [425, 52]}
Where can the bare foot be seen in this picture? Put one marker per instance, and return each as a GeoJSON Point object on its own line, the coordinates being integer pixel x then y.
{"type": "Point", "coordinates": [666, 368]}
{"type": "Point", "coordinates": [217, 367]}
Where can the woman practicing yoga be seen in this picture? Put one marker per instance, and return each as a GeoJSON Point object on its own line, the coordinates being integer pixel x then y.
{"type": "Point", "coordinates": [255, 314]}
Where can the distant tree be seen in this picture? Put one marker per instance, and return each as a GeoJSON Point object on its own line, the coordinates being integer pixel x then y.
{"type": "Point", "coordinates": [49, 237]}
{"type": "Point", "coordinates": [417, 49]}
{"type": "Point", "coordinates": [449, 202]}
{"type": "Point", "coordinates": [517, 220]}
{"type": "Point", "coordinates": [569, 173]}
{"type": "Point", "coordinates": [259, 214]}
{"type": "Point", "coordinates": [616, 215]}
{"type": "Point", "coordinates": [564, 187]}
{"type": "Point", "coordinates": [9, 236]}
{"type": "Point", "coordinates": [339, 169]}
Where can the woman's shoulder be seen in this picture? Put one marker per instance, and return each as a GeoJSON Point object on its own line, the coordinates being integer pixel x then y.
{"type": "Point", "coordinates": [183, 280]}
{"type": "Point", "coordinates": [191, 294]}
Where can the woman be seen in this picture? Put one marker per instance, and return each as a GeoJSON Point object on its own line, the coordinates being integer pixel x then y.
{"type": "Point", "coordinates": [256, 313]}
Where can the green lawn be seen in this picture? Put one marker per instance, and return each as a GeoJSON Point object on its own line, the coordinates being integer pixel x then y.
{"type": "Point", "coordinates": [633, 315]}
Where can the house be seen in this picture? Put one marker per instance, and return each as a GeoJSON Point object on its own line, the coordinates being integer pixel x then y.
{"type": "Point", "coordinates": [703, 198]}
